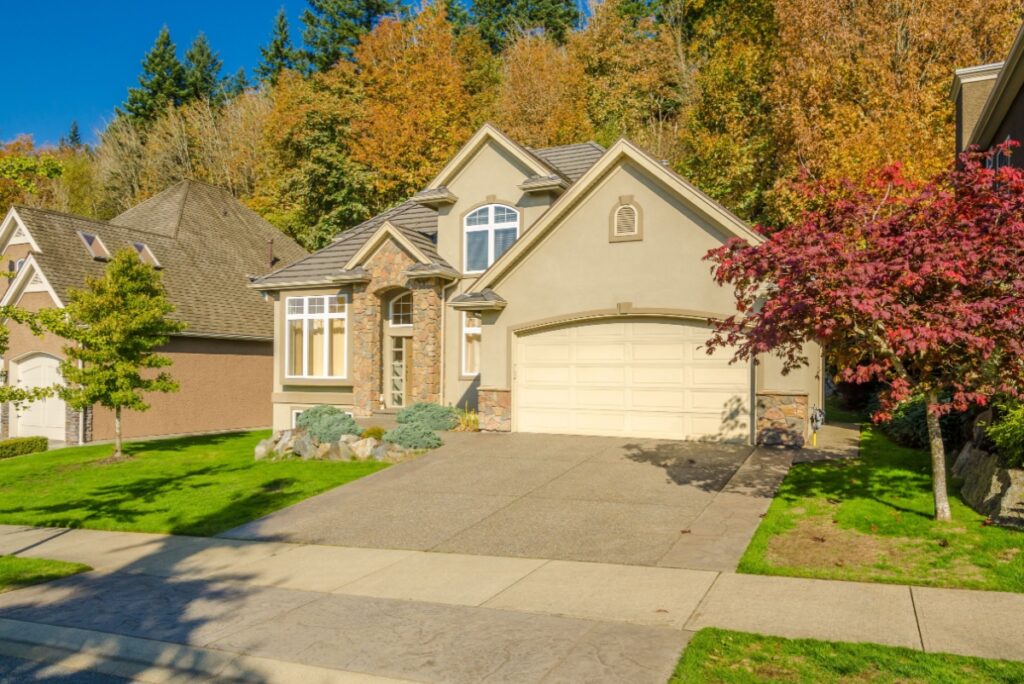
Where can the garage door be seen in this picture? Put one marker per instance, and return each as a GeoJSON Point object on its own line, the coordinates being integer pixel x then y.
{"type": "Point", "coordinates": [43, 418]}
{"type": "Point", "coordinates": [646, 378]}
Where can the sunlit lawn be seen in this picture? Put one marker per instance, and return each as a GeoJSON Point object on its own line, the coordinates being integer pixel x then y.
{"type": "Point", "coordinates": [716, 656]}
{"type": "Point", "coordinates": [191, 485]}
{"type": "Point", "coordinates": [18, 572]}
{"type": "Point", "coordinates": [870, 519]}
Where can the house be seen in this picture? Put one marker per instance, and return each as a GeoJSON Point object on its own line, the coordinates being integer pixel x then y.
{"type": "Point", "coordinates": [556, 290]}
{"type": "Point", "coordinates": [990, 104]}
{"type": "Point", "coordinates": [206, 244]}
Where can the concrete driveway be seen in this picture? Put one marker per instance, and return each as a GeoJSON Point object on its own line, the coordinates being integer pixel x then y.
{"type": "Point", "coordinates": [601, 499]}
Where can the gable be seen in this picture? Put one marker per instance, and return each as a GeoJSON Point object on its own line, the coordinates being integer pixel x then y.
{"type": "Point", "coordinates": [30, 280]}
{"type": "Point", "coordinates": [14, 232]}
{"type": "Point", "coordinates": [490, 136]}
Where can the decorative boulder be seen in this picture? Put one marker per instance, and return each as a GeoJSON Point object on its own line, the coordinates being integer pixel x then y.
{"type": "Point", "coordinates": [363, 449]}
{"type": "Point", "coordinates": [339, 451]}
{"type": "Point", "coordinates": [265, 448]}
{"type": "Point", "coordinates": [990, 489]}
{"type": "Point", "coordinates": [380, 452]}
{"type": "Point", "coordinates": [349, 439]}
{"type": "Point", "coordinates": [303, 445]}
{"type": "Point", "coordinates": [321, 451]}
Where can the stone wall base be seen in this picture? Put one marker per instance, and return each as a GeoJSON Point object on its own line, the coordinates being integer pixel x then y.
{"type": "Point", "coordinates": [782, 419]}
{"type": "Point", "coordinates": [71, 423]}
{"type": "Point", "coordinates": [5, 420]}
{"type": "Point", "coordinates": [495, 410]}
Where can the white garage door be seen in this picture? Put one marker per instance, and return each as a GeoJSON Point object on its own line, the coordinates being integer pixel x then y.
{"type": "Point", "coordinates": [43, 418]}
{"type": "Point", "coordinates": [646, 378]}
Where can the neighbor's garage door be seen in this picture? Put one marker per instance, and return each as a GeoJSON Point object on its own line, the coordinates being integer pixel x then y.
{"type": "Point", "coordinates": [641, 378]}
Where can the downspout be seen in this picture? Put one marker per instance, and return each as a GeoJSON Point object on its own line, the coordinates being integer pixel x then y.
{"type": "Point", "coordinates": [444, 349]}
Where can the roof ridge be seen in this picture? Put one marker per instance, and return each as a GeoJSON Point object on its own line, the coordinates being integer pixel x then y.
{"type": "Point", "coordinates": [62, 213]}
{"type": "Point", "coordinates": [181, 206]}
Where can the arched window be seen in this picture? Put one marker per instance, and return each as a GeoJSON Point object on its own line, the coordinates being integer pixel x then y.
{"type": "Point", "coordinates": [489, 232]}
{"type": "Point", "coordinates": [401, 310]}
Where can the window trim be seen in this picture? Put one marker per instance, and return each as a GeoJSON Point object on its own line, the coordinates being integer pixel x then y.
{"type": "Point", "coordinates": [638, 234]}
{"type": "Point", "coordinates": [306, 317]}
{"type": "Point", "coordinates": [98, 250]}
{"type": "Point", "coordinates": [391, 310]}
{"type": "Point", "coordinates": [489, 228]}
{"type": "Point", "coordinates": [466, 332]}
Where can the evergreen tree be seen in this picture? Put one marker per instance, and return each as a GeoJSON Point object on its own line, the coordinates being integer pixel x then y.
{"type": "Point", "coordinates": [202, 71]}
{"type": "Point", "coordinates": [74, 137]}
{"type": "Point", "coordinates": [234, 86]}
{"type": "Point", "coordinates": [334, 27]}
{"type": "Point", "coordinates": [113, 327]}
{"type": "Point", "coordinates": [161, 84]}
{"type": "Point", "coordinates": [279, 53]}
{"type": "Point", "coordinates": [499, 20]}
{"type": "Point", "coordinates": [457, 14]}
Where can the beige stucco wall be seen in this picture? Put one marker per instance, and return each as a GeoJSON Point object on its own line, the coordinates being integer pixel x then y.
{"type": "Point", "coordinates": [969, 103]}
{"type": "Point", "coordinates": [576, 270]}
{"type": "Point", "coordinates": [12, 253]}
{"type": "Point", "coordinates": [22, 341]}
{"type": "Point", "coordinates": [225, 385]}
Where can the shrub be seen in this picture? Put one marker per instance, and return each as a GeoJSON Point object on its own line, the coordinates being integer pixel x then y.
{"type": "Point", "coordinates": [376, 432]}
{"type": "Point", "coordinates": [909, 426]}
{"type": "Point", "coordinates": [469, 421]}
{"type": "Point", "coordinates": [327, 423]}
{"type": "Point", "coordinates": [413, 436]}
{"type": "Point", "coordinates": [1007, 433]}
{"type": "Point", "coordinates": [17, 446]}
{"type": "Point", "coordinates": [433, 416]}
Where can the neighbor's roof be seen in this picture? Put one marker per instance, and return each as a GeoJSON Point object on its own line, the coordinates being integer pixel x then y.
{"type": "Point", "coordinates": [416, 221]}
{"type": "Point", "coordinates": [207, 244]}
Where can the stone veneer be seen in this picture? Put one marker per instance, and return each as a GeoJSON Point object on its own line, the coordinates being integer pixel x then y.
{"type": "Point", "coordinates": [5, 420]}
{"type": "Point", "coordinates": [495, 409]}
{"type": "Point", "coordinates": [386, 267]}
{"type": "Point", "coordinates": [782, 419]}
{"type": "Point", "coordinates": [71, 418]}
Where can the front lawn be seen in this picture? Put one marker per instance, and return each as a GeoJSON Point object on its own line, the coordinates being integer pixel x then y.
{"type": "Point", "coordinates": [189, 485]}
{"type": "Point", "coordinates": [16, 572]}
{"type": "Point", "coordinates": [870, 519]}
{"type": "Point", "coordinates": [716, 655]}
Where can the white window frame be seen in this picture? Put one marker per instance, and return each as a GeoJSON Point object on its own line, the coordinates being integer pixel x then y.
{"type": "Point", "coordinates": [490, 227]}
{"type": "Point", "coordinates": [391, 311]}
{"type": "Point", "coordinates": [466, 332]}
{"type": "Point", "coordinates": [327, 316]}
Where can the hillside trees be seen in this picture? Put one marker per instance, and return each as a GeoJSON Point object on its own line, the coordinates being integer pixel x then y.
{"type": "Point", "coordinates": [279, 54]}
{"type": "Point", "coordinates": [500, 21]}
{"type": "Point", "coordinates": [161, 84]}
{"type": "Point", "coordinates": [334, 28]}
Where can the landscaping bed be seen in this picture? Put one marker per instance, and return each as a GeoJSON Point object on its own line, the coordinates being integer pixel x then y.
{"type": "Point", "coordinates": [716, 655]}
{"type": "Point", "coordinates": [191, 485]}
{"type": "Point", "coordinates": [16, 572]}
{"type": "Point", "coordinates": [870, 519]}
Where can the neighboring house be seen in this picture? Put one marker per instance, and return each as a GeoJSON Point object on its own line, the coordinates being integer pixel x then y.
{"type": "Point", "coordinates": [990, 104]}
{"type": "Point", "coordinates": [206, 245]}
{"type": "Point", "coordinates": [557, 290]}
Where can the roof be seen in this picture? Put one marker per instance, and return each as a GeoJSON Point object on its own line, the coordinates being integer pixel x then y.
{"type": "Point", "coordinates": [418, 221]}
{"type": "Point", "coordinates": [207, 244]}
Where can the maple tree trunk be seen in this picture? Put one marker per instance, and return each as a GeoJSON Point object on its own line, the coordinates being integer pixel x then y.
{"type": "Point", "coordinates": [117, 432]}
{"type": "Point", "coordinates": [938, 450]}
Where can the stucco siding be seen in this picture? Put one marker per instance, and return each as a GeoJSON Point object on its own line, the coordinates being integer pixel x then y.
{"type": "Point", "coordinates": [22, 341]}
{"type": "Point", "coordinates": [225, 385]}
{"type": "Point", "coordinates": [11, 254]}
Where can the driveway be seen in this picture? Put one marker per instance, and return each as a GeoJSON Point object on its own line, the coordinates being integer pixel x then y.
{"type": "Point", "coordinates": [600, 499]}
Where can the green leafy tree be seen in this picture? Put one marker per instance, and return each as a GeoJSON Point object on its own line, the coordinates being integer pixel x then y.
{"type": "Point", "coordinates": [202, 71]}
{"type": "Point", "coordinates": [12, 315]}
{"type": "Point", "coordinates": [500, 20]}
{"type": "Point", "coordinates": [114, 327]}
{"type": "Point", "coordinates": [279, 54]}
{"type": "Point", "coordinates": [161, 84]}
{"type": "Point", "coordinates": [334, 27]}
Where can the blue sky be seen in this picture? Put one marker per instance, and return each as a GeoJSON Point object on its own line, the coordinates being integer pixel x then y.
{"type": "Point", "coordinates": [75, 59]}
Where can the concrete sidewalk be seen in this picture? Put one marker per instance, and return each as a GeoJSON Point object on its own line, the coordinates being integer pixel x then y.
{"type": "Point", "coordinates": [425, 616]}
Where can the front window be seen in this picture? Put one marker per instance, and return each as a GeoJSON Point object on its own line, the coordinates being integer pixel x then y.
{"type": "Point", "coordinates": [401, 310]}
{"type": "Point", "coordinates": [471, 343]}
{"type": "Point", "coordinates": [315, 341]}
{"type": "Point", "coordinates": [490, 231]}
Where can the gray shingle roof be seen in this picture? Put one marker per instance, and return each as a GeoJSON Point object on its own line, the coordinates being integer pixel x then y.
{"type": "Point", "coordinates": [417, 222]}
{"type": "Point", "coordinates": [205, 240]}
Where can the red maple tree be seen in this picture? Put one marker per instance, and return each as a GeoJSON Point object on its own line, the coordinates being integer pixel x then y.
{"type": "Point", "coordinates": [916, 285]}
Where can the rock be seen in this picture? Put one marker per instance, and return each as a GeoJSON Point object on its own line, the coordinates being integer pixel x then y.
{"type": "Point", "coordinates": [991, 489]}
{"type": "Point", "coordinates": [340, 451]}
{"type": "Point", "coordinates": [349, 439]}
{"type": "Point", "coordinates": [396, 454]}
{"type": "Point", "coordinates": [265, 448]}
{"type": "Point", "coordinates": [302, 444]}
{"type": "Point", "coordinates": [322, 451]}
{"type": "Point", "coordinates": [363, 449]}
{"type": "Point", "coordinates": [283, 448]}
{"type": "Point", "coordinates": [380, 452]}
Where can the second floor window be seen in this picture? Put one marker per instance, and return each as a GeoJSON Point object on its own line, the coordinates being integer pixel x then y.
{"type": "Point", "coordinates": [489, 232]}
{"type": "Point", "coordinates": [315, 336]}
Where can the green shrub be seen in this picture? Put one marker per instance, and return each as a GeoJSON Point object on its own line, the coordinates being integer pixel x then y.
{"type": "Point", "coordinates": [433, 416]}
{"type": "Point", "coordinates": [17, 446]}
{"type": "Point", "coordinates": [1007, 433]}
{"type": "Point", "coordinates": [909, 426]}
{"type": "Point", "coordinates": [413, 436]}
{"type": "Point", "coordinates": [327, 423]}
{"type": "Point", "coordinates": [376, 432]}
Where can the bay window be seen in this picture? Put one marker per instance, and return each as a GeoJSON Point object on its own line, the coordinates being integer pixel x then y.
{"type": "Point", "coordinates": [315, 336]}
{"type": "Point", "coordinates": [489, 232]}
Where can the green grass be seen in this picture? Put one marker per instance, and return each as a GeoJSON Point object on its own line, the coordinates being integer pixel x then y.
{"type": "Point", "coordinates": [870, 519]}
{"type": "Point", "coordinates": [16, 572]}
{"type": "Point", "coordinates": [716, 655]}
{"type": "Point", "coordinates": [191, 485]}
{"type": "Point", "coordinates": [834, 413]}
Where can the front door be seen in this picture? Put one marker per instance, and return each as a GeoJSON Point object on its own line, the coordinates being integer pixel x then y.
{"type": "Point", "coordinates": [43, 418]}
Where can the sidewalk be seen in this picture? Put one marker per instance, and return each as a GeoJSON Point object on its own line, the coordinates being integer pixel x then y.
{"type": "Point", "coordinates": [424, 616]}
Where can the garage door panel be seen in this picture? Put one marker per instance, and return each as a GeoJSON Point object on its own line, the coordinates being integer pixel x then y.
{"type": "Point", "coordinates": [635, 379]}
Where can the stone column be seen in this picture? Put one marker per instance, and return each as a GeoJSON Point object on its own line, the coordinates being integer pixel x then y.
{"type": "Point", "coordinates": [364, 336]}
{"type": "Point", "coordinates": [5, 420]}
{"type": "Point", "coordinates": [72, 418]}
{"type": "Point", "coordinates": [782, 419]}
{"type": "Point", "coordinates": [426, 341]}
{"type": "Point", "coordinates": [495, 409]}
